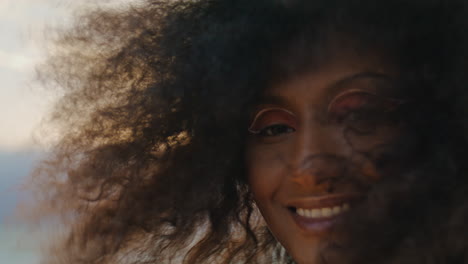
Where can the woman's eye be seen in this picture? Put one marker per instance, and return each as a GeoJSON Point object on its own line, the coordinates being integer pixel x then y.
{"type": "Point", "coordinates": [362, 112]}
{"type": "Point", "coordinates": [363, 120]}
{"type": "Point", "coordinates": [271, 122]}
{"type": "Point", "coordinates": [275, 130]}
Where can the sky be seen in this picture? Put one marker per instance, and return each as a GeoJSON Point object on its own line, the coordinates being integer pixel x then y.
{"type": "Point", "coordinates": [23, 104]}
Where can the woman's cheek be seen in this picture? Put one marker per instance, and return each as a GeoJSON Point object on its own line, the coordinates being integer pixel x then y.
{"type": "Point", "coordinates": [369, 171]}
{"type": "Point", "coordinates": [265, 166]}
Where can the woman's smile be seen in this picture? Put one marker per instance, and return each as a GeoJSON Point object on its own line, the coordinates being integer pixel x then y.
{"type": "Point", "coordinates": [307, 153]}
{"type": "Point", "coordinates": [318, 214]}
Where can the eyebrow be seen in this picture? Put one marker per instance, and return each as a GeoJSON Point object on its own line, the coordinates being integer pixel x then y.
{"type": "Point", "coordinates": [367, 74]}
{"type": "Point", "coordinates": [272, 99]}
{"type": "Point", "coordinates": [340, 84]}
{"type": "Point", "coordinates": [332, 89]}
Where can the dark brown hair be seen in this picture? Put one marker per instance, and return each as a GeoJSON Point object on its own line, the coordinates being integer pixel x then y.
{"type": "Point", "coordinates": [153, 120]}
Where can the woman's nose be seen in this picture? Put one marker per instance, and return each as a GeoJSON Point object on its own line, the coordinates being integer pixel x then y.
{"type": "Point", "coordinates": [319, 171]}
{"type": "Point", "coordinates": [318, 157]}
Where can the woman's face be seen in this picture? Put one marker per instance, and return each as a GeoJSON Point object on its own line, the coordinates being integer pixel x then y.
{"type": "Point", "coordinates": [310, 151]}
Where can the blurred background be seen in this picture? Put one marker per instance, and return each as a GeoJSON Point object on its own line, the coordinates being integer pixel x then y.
{"type": "Point", "coordinates": [23, 104]}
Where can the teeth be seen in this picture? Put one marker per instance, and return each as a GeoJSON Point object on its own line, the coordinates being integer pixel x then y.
{"type": "Point", "coordinates": [300, 211]}
{"type": "Point", "coordinates": [346, 207]}
{"type": "Point", "coordinates": [326, 212]}
{"type": "Point", "coordinates": [336, 210]}
{"type": "Point", "coordinates": [316, 213]}
{"type": "Point", "coordinates": [323, 212]}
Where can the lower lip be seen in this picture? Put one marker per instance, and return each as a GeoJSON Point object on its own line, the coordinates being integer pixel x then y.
{"type": "Point", "coordinates": [314, 225]}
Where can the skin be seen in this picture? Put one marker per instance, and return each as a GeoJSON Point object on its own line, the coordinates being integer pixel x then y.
{"type": "Point", "coordinates": [304, 152]}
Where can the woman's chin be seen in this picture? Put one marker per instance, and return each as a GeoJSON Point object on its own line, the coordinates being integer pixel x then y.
{"type": "Point", "coordinates": [311, 255]}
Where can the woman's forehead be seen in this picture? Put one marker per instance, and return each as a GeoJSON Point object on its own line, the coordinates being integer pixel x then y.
{"type": "Point", "coordinates": [340, 68]}
{"type": "Point", "coordinates": [328, 53]}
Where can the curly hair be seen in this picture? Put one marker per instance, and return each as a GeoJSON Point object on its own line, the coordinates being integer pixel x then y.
{"type": "Point", "coordinates": [153, 123]}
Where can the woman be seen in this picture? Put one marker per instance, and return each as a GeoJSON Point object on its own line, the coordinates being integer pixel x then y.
{"type": "Point", "coordinates": [341, 122]}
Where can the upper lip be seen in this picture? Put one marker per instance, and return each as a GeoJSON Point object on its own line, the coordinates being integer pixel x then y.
{"type": "Point", "coordinates": [321, 201]}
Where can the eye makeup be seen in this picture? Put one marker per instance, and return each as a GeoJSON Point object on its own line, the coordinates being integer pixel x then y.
{"type": "Point", "coordinates": [272, 116]}
{"type": "Point", "coordinates": [355, 100]}
{"type": "Point", "coordinates": [363, 112]}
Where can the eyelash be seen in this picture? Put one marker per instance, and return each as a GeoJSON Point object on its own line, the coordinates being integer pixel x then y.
{"type": "Point", "coordinates": [365, 120]}
{"type": "Point", "coordinates": [273, 122]}
{"type": "Point", "coordinates": [360, 119]}
{"type": "Point", "coordinates": [272, 130]}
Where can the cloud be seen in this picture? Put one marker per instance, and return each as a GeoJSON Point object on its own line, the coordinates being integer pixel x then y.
{"type": "Point", "coordinates": [20, 108]}
{"type": "Point", "coordinates": [17, 61]}
{"type": "Point", "coordinates": [22, 23]}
